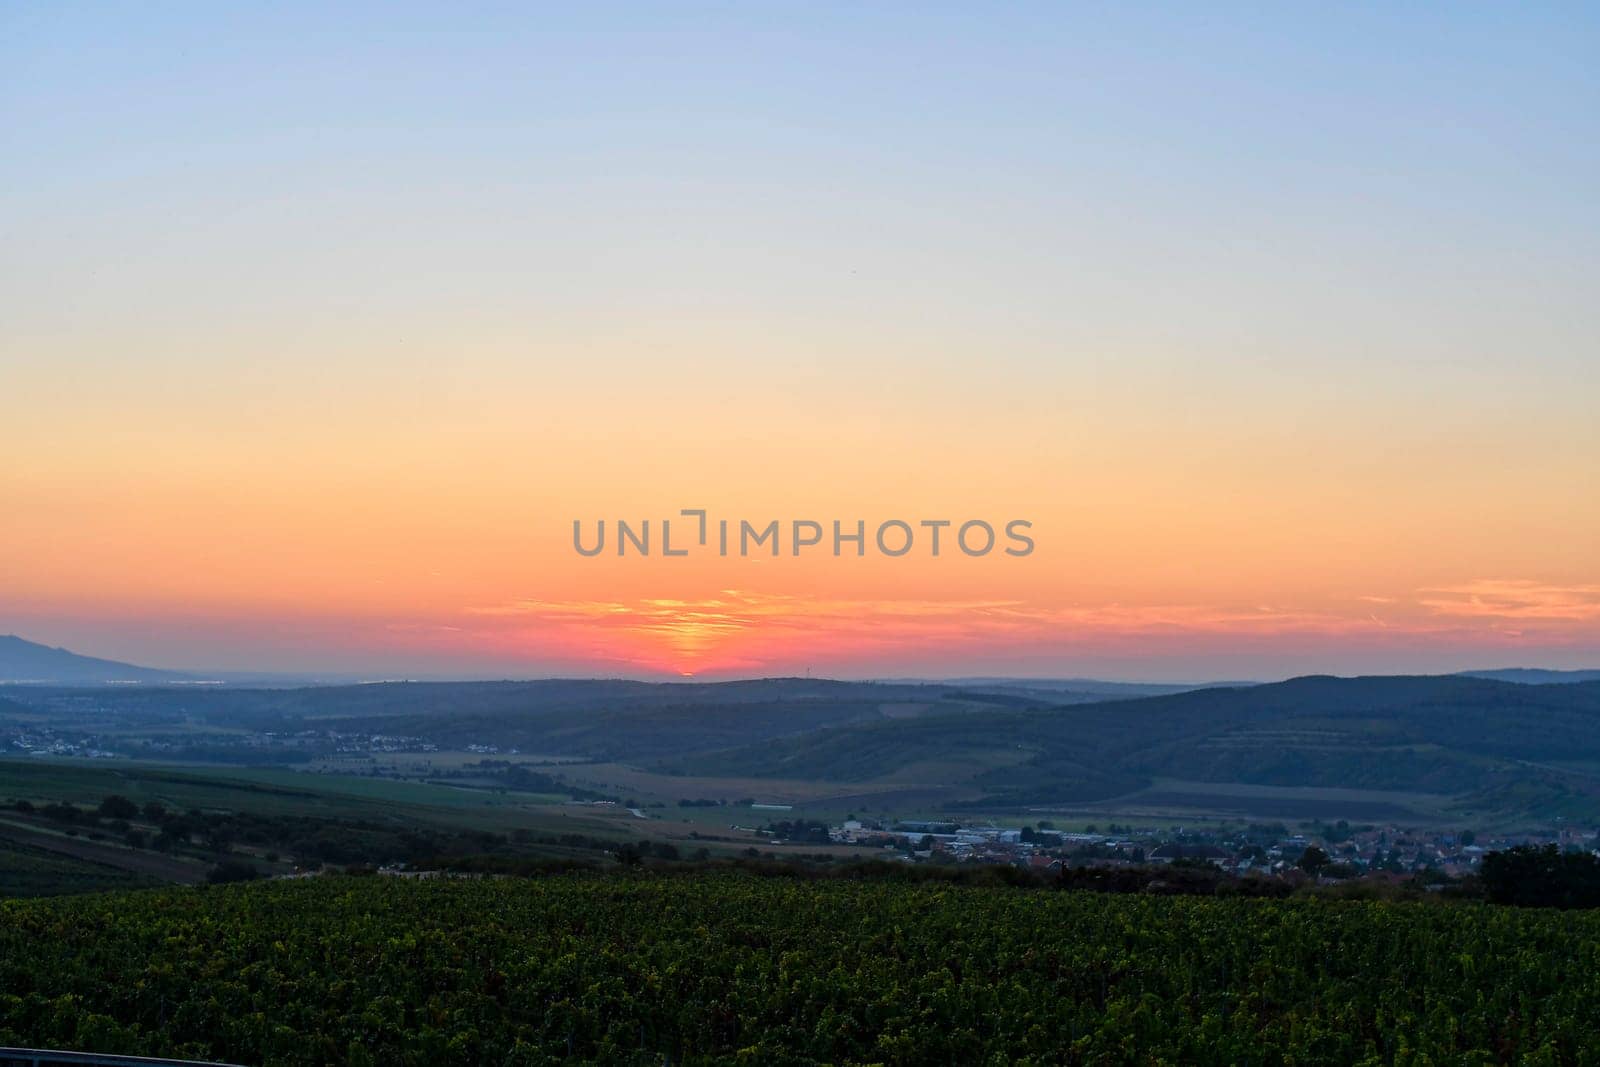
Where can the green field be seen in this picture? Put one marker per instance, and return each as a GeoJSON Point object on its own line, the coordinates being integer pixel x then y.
{"type": "Point", "coordinates": [267, 790]}
{"type": "Point", "coordinates": [278, 820]}
{"type": "Point", "coordinates": [732, 968]}
{"type": "Point", "coordinates": [27, 870]}
{"type": "Point", "coordinates": [276, 792]}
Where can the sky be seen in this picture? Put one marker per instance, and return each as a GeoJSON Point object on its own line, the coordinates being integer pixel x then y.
{"type": "Point", "coordinates": [320, 325]}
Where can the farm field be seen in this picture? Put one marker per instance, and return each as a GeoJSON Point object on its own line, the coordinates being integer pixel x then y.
{"type": "Point", "coordinates": [734, 968]}
{"type": "Point", "coordinates": [67, 864]}
{"type": "Point", "coordinates": [276, 792]}
{"type": "Point", "coordinates": [1177, 798]}
{"type": "Point", "coordinates": [27, 869]}
{"type": "Point", "coordinates": [276, 821]}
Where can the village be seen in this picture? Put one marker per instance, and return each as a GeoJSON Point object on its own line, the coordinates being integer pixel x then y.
{"type": "Point", "coordinates": [1326, 851]}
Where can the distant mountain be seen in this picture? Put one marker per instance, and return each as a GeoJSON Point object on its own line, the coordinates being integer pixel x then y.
{"type": "Point", "coordinates": [1080, 690]}
{"type": "Point", "coordinates": [595, 719]}
{"type": "Point", "coordinates": [1532, 676]}
{"type": "Point", "coordinates": [26, 661]}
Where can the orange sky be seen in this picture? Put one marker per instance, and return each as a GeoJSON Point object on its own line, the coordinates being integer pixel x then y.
{"type": "Point", "coordinates": [318, 340]}
{"type": "Point", "coordinates": [1242, 549]}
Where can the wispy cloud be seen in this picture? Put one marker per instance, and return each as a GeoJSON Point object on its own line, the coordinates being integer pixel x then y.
{"type": "Point", "coordinates": [1516, 599]}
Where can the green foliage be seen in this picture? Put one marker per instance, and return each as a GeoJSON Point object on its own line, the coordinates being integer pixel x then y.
{"type": "Point", "coordinates": [232, 871]}
{"type": "Point", "coordinates": [118, 807]}
{"type": "Point", "coordinates": [730, 968]}
{"type": "Point", "coordinates": [1313, 860]}
{"type": "Point", "coordinates": [32, 871]}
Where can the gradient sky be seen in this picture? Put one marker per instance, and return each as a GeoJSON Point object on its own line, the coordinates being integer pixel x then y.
{"type": "Point", "coordinates": [318, 329]}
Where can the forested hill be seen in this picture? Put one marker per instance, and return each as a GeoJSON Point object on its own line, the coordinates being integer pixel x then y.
{"type": "Point", "coordinates": [1531, 676]}
{"type": "Point", "coordinates": [575, 718]}
{"type": "Point", "coordinates": [1468, 746]}
{"type": "Point", "coordinates": [1451, 735]}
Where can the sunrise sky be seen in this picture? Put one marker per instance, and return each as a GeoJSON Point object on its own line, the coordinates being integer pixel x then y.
{"type": "Point", "coordinates": [318, 330]}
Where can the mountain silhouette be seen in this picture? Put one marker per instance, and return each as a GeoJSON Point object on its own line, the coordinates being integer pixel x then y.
{"type": "Point", "coordinates": [27, 661]}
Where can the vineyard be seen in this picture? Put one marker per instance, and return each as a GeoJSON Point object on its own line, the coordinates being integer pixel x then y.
{"type": "Point", "coordinates": [654, 969]}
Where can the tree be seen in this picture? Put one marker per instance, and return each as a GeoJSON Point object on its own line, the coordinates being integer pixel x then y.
{"type": "Point", "coordinates": [61, 812]}
{"type": "Point", "coordinates": [1313, 860]}
{"type": "Point", "coordinates": [1542, 878]}
{"type": "Point", "coordinates": [232, 871]}
{"type": "Point", "coordinates": [116, 807]}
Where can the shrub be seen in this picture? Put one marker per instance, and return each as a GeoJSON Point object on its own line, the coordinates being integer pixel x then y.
{"type": "Point", "coordinates": [232, 871]}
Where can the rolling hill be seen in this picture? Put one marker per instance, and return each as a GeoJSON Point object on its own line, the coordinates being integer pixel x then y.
{"type": "Point", "coordinates": [580, 719]}
{"type": "Point", "coordinates": [1454, 744]}
{"type": "Point", "coordinates": [1489, 744]}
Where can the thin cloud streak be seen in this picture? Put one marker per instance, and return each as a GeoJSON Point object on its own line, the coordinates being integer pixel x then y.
{"type": "Point", "coordinates": [1515, 599]}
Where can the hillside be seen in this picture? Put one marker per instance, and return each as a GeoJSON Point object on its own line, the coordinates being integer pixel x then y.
{"type": "Point", "coordinates": [580, 719]}
{"type": "Point", "coordinates": [1532, 676]}
{"type": "Point", "coordinates": [1068, 690]}
{"type": "Point", "coordinates": [1490, 743]}
{"type": "Point", "coordinates": [1437, 749]}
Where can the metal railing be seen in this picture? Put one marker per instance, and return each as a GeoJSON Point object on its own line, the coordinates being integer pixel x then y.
{"type": "Point", "coordinates": [44, 1057]}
